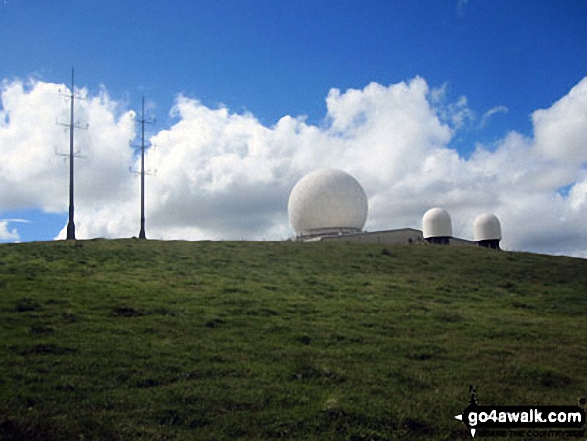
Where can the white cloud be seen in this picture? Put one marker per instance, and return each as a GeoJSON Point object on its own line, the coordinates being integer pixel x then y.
{"type": "Point", "coordinates": [490, 113]}
{"type": "Point", "coordinates": [561, 131]}
{"type": "Point", "coordinates": [6, 234]}
{"type": "Point", "coordinates": [225, 175]}
{"type": "Point", "coordinates": [30, 136]}
{"type": "Point", "coordinates": [456, 114]}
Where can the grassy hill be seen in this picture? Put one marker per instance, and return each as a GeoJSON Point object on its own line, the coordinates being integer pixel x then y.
{"type": "Point", "coordinates": [127, 339]}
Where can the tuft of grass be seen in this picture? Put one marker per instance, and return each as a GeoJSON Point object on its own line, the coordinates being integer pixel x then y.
{"type": "Point", "coordinates": [129, 339]}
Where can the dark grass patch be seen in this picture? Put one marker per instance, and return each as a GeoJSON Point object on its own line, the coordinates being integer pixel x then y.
{"type": "Point", "coordinates": [70, 317]}
{"type": "Point", "coordinates": [448, 317]}
{"type": "Point", "coordinates": [27, 304]}
{"type": "Point", "coordinates": [148, 382]}
{"type": "Point", "coordinates": [56, 302]}
{"type": "Point", "coordinates": [172, 417]}
{"type": "Point", "coordinates": [509, 286]}
{"type": "Point", "coordinates": [198, 423]}
{"type": "Point", "coordinates": [47, 349]}
{"type": "Point", "coordinates": [40, 329]}
{"type": "Point", "coordinates": [311, 372]}
{"type": "Point", "coordinates": [522, 305]}
{"type": "Point", "coordinates": [213, 323]}
{"type": "Point", "coordinates": [304, 339]}
{"type": "Point", "coordinates": [51, 428]}
{"type": "Point", "coordinates": [416, 427]}
{"type": "Point", "coordinates": [262, 312]}
{"type": "Point", "coordinates": [336, 423]}
{"type": "Point", "coordinates": [164, 311]}
{"type": "Point", "coordinates": [352, 339]}
{"type": "Point", "coordinates": [409, 380]}
{"type": "Point", "coordinates": [126, 311]}
{"type": "Point", "coordinates": [552, 379]}
{"type": "Point", "coordinates": [421, 356]}
{"type": "Point", "coordinates": [344, 422]}
{"type": "Point", "coordinates": [15, 430]}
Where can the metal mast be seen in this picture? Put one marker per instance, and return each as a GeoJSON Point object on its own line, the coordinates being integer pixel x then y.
{"type": "Point", "coordinates": [143, 172]}
{"type": "Point", "coordinates": [142, 234]}
{"type": "Point", "coordinates": [71, 224]}
{"type": "Point", "coordinates": [71, 125]}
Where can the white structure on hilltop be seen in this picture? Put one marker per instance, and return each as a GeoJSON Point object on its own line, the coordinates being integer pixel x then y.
{"type": "Point", "coordinates": [327, 202]}
{"type": "Point", "coordinates": [487, 231]}
{"type": "Point", "coordinates": [332, 205]}
{"type": "Point", "coordinates": [437, 226]}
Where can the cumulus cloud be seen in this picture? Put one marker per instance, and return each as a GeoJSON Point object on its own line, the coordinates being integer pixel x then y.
{"type": "Point", "coordinates": [561, 131]}
{"type": "Point", "coordinates": [223, 175]}
{"type": "Point", "coordinates": [6, 234]}
{"type": "Point", "coordinates": [30, 136]}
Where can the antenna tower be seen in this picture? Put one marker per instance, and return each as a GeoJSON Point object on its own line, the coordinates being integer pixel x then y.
{"type": "Point", "coordinates": [143, 121]}
{"type": "Point", "coordinates": [72, 125]}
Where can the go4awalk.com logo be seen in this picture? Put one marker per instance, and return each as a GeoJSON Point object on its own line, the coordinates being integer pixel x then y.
{"type": "Point", "coordinates": [538, 421]}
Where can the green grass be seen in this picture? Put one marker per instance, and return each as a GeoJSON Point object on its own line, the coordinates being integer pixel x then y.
{"type": "Point", "coordinates": [127, 339]}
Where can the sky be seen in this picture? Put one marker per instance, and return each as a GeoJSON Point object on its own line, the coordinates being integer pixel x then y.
{"type": "Point", "coordinates": [471, 105]}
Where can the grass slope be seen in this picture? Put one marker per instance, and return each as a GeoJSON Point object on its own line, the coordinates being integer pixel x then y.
{"type": "Point", "coordinates": [127, 339]}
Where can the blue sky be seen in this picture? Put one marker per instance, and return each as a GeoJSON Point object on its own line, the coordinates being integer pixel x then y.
{"type": "Point", "coordinates": [493, 63]}
{"type": "Point", "coordinates": [276, 57]}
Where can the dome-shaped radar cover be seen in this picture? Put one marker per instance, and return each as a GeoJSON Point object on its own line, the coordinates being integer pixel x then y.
{"type": "Point", "coordinates": [486, 227]}
{"type": "Point", "coordinates": [436, 223]}
{"type": "Point", "coordinates": [327, 201]}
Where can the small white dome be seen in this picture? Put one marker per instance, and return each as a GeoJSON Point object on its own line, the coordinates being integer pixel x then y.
{"type": "Point", "coordinates": [326, 202]}
{"type": "Point", "coordinates": [486, 227]}
{"type": "Point", "coordinates": [436, 223]}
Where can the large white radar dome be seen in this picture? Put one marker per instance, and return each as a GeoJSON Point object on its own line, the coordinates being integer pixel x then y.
{"type": "Point", "coordinates": [327, 202]}
{"type": "Point", "coordinates": [436, 223]}
{"type": "Point", "coordinates": [486, 227]}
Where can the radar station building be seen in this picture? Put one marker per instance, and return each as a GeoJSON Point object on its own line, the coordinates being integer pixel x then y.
{"type": "Point", "coordinates": [331, 205]}
{"type": "Point", "coordinates": [437, 226]}
{"type": "Point", "coordinates": [487, 231]}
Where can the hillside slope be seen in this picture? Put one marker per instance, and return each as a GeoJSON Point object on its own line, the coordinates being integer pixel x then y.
{"type": "Point", "coordinates": [127, 339]}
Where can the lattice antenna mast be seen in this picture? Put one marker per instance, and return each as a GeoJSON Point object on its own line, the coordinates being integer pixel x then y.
{"type": "Point", "coordinates": [143, 121]}
{"type": "Point", "coordinates": [72, 125]}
